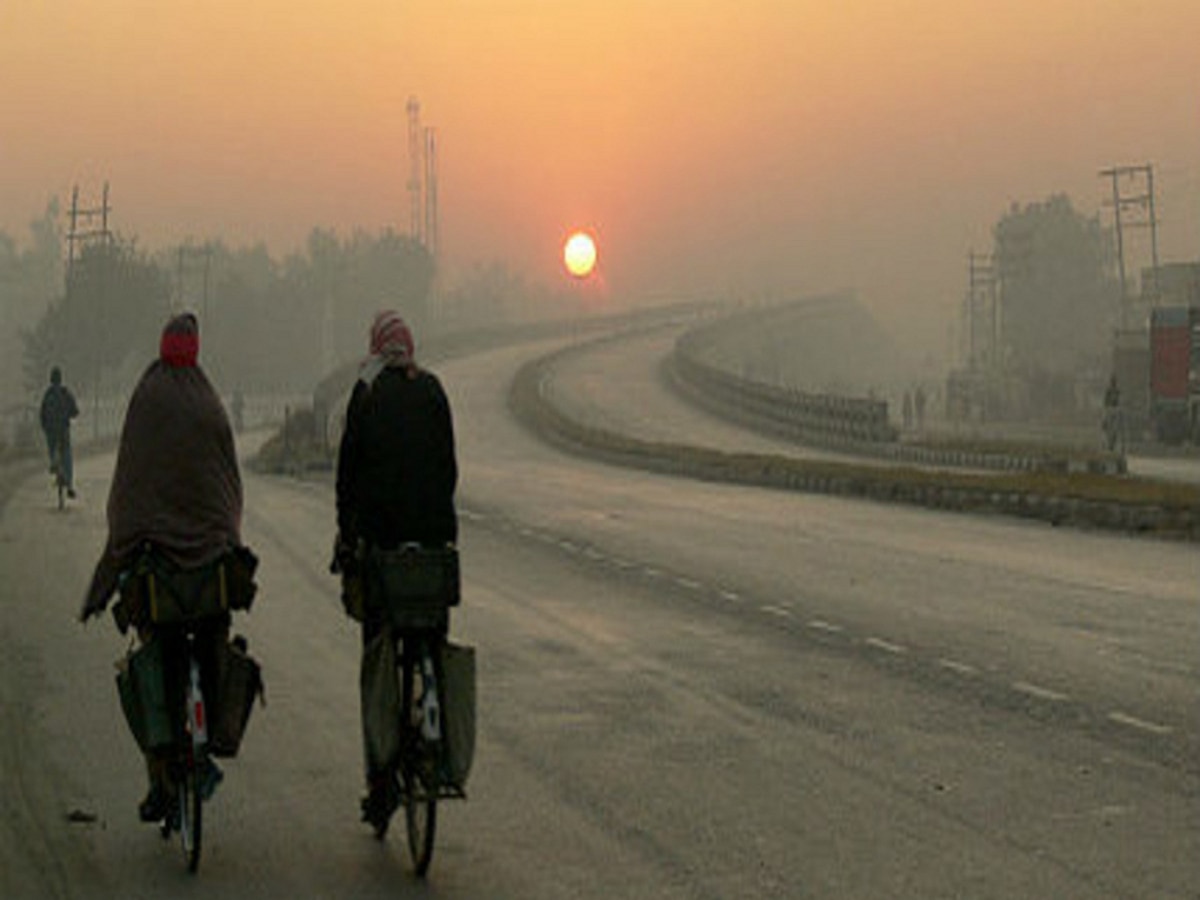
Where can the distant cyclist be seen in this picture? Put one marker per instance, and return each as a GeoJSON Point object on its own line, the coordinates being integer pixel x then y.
{"type": "Point", "coordinates": [58, 409]}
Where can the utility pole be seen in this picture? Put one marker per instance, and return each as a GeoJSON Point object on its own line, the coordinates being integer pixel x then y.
{"type": "Point", "coordinates": [1133, 191]}
{"type": "Point", "coordinates": [82, 231]}
{"type": "Point", "coordinates": [983, 310]}
{"type": "Point", "coordinates": [85, 217]}
{"type": "Point", "coordinates": [431, 198]}
{"type": "Point", "coordinates": [189, 257]}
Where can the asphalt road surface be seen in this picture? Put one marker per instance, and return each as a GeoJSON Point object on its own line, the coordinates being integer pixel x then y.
{"type": "Point", "coordinates": [686, 690]}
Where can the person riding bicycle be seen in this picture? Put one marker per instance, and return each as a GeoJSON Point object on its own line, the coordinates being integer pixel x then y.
{"type": "Point", "coordinates": [396, 477]}
{"type": "Point", "coordinates": [58, 409]}
{"type": "Point", "coordinates": [1112, 414]}
{"type": "Point", "coordinates": [177, 487]}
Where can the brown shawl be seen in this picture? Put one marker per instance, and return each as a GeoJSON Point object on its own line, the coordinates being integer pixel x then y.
{"type": "Point", "coordinates": [176, 482]}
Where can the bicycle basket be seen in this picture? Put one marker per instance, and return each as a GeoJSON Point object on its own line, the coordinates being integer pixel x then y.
{"type": "Point", "coordinates": [414, 585]}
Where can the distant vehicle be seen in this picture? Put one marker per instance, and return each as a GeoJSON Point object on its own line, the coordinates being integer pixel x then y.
{"type": "Point", "coordinates": [1175, 374]}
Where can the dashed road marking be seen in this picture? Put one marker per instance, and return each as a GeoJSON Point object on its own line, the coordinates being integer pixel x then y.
{"type": "Point", "coordinates": [651, 572]}
{"type": "Point", "coordinates": [730, 596]}
{"type": "Point", "coordinates": [1036, 690]}
{"type": "Point", "coordinates": [777, 611]}
{"type": "Point", "coordinates": [886, 646]}
{"type": "Point", "coordinates": [1133, 722]}
{"type": "Point", "coordinates": [822, 625]}
{"type": "Point", "coordinates": [955, 666]}
{"type": "Point", "coordinates": [688, 583]}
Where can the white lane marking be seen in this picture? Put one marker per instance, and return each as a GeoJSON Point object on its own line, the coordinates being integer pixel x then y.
{"type": "Point", "coordinates": [1133, 722]}
{"type": "Point", "coordinates": [689, 584]}
{"type": "Point", "coordinates": [1036, 690]}
{"type": "Point", "coordinates": [822, 625]}
{"type": "Point", "coordinates": [955, 666]}
{"type": "Point", "coordinates": [651, 572]}
{"type": "Point", "coordinates": [568, 546]}
{"type": "Point", "coordinates": [730, 596]}
{"type": "Point", "coordinates": [777, 611]}
{"type": "Point", "coordinates": [526, 532]}
{"type": "Point", "coordinates": [593, 553]}
{"type": "Point", "coordinates": [621, 563]}
{"type": "Point", "coordinates": [887, 646]}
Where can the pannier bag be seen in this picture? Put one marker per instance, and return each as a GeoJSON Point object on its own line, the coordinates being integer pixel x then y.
{"type": "Point", "coordinates": [416, 585]}
{"type": "Point", "coordinates": [158, 591]}
{"type": "Point", "coordinates": [141, 684]}
{"type": "Point", "coordinates": [238, 684]}
{"type": "Point", "coordinates": [458, 710]}
{"type": "Point", "coordinates": [380, 697]}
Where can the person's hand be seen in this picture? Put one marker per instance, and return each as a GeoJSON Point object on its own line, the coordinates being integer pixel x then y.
{"type": "Point", "coordinates": [345, 557]}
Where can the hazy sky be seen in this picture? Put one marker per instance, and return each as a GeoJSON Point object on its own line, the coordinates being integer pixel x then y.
{"type": "Point", "coordinates": [744, 144]}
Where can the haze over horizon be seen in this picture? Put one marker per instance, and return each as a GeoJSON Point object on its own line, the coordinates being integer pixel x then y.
{"type": "Point", "coordinates": [770, 146]}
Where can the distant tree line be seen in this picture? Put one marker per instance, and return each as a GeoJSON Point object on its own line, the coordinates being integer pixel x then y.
{"type": "Point", "coordinates": [266, 324]}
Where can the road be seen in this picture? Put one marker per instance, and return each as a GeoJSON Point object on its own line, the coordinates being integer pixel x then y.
{"type": "Point", "coordinates": [686, 690]}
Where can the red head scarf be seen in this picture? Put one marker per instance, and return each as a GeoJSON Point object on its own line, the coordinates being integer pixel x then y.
{"type": "Point", "coordinates": [180, 343]}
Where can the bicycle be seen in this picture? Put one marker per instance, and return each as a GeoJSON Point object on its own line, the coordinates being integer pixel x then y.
{"type": "Point", "coordinates": [60, 481]}
{"type": "Point", "coordinates": [184, 619]}
{"type": "Point", "coordinates": [422, 765]}
{"type": "Point", "coordinates": [416, 587]}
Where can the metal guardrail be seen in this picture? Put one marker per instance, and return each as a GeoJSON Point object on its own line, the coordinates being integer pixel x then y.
{"type": "Point", "coordinates": [797, 414]}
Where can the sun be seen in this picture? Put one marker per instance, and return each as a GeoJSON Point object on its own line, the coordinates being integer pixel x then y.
{"type": "Point", "coordinates": [579, 254]}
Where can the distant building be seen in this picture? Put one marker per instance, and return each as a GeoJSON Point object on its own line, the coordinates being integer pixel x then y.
{"type": "Point", "coordinates": [1176, 284]}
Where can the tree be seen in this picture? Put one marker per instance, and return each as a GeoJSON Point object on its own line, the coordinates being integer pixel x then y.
{"type": "Point", "coordinates": [1059, 302]}
{"type": "Point", "coordinates": [30, 278]}
{"type": "Point", "coordinates": [113, 306]}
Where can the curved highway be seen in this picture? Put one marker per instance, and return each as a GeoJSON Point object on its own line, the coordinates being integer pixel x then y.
{"type": "Point", "coordinates": [686, 690]}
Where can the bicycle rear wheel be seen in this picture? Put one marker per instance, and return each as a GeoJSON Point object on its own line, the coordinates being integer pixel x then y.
{"type": "Point", "coordinates": [191, 820]}
{"type": "Point", "coordinates": [420, 778]}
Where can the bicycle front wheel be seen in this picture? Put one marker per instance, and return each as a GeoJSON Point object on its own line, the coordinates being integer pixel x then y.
{"type": "Point", "coordinates": [420, 785]}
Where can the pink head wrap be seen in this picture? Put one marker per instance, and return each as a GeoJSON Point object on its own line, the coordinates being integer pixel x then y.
{"type": "Point", "coordinates": [391, 346]}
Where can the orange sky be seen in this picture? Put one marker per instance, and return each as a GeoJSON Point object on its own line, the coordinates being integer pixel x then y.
{"type": "Point", "coordinates": [746, 145]}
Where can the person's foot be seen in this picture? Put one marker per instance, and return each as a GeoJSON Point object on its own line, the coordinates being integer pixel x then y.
{"type": "Point", "coordinates": [71, 493]}
{"type": "Point", "coordinates": [156, 805]}
{"type": "Point", "coordinates": [381, 801]}
{"type": "Point", "coordinates": [210, 776]}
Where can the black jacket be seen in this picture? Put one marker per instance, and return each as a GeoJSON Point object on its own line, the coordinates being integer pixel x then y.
{"type": "Point", "coordinates": [397, 471]}
{"type": "Point", "coordinates": [58, 409]}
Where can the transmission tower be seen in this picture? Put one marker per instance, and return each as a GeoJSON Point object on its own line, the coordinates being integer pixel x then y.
{"type": "Point", "coordinates": [415, 167]}
{"type": "Point", "coordinates": [422, 180]}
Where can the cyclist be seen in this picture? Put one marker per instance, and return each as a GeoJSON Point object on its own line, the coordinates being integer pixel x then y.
{"type": "Point", "coordinates": [396, 476]}
{"type": "Point", "coordinates": [58, 409]}
{"type": "Point", "coordinates": [176, 485]}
